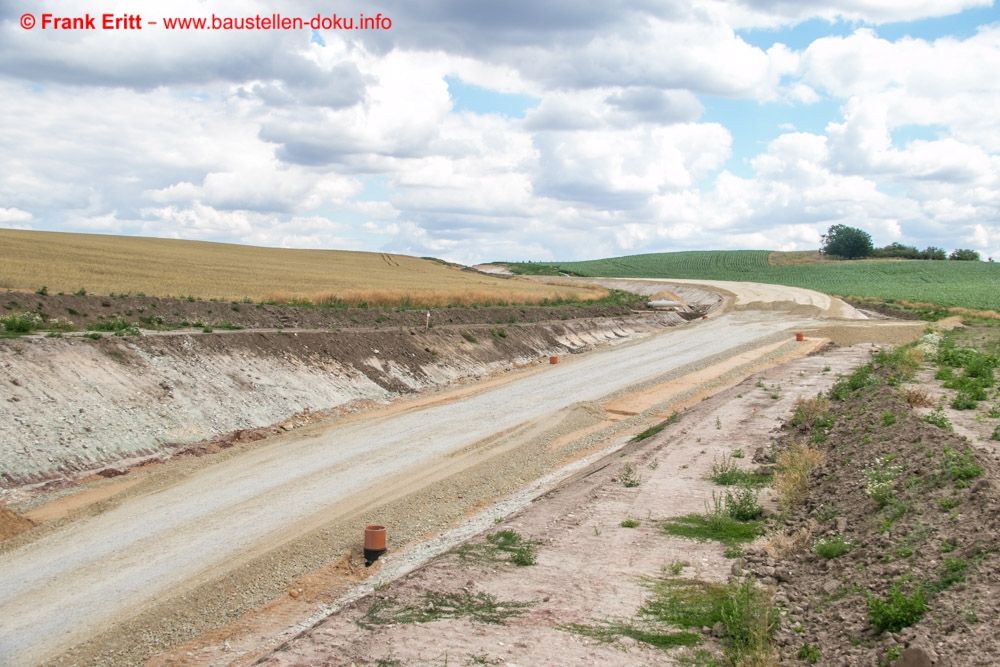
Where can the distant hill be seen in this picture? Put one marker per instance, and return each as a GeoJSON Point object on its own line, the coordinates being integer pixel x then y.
{"type": "Point", "coordinates": [101, 264]}
{"type": "Point", "coordinates": [974, 285]}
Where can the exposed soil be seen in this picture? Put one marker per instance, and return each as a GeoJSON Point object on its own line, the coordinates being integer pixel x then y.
{"type": "Point", "coordinates": [936, 529]}
{"type": "Point", "coordinates": [590, 569]}
{"type": "Point", "coordinates": [74, 405]}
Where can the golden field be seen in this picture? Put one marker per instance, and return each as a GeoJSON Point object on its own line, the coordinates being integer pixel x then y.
{"type": "Point", "coordinates": [101, 264]}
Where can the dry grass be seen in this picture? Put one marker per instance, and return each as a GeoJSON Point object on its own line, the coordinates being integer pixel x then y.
{"type": "Point", "coordinates": [791, 476]}
{"type": "Point", "coordinates": [919, 398]}
{"type": "Point", "coordinates": [778, 544]}
{"type": "Point", "coordinates": [807, 410]}
{"type": "Point", "coordinates": [798, 258]}
{"type": "Point", "coordinates": [168, 267]}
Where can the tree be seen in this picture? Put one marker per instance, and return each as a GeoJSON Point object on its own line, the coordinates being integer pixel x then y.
{"type": "Point", "coordinates": [964, 255]}
{"type": "Point", "coordinates": [933, 252]}
{"type": "Point", "coordinates": [847, 242]}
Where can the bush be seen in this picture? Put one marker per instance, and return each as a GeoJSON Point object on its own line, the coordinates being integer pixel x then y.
{"type": "Point", "coordinates": [938, 418]}
{"type": "Point", "coordinates": [742, 503]}
{"type": "Point", "coordinates": [960, 465]}
{"type": "Point", "coordinates": [21, 323]}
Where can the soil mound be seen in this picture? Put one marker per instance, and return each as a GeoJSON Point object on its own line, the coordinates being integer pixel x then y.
{"type": "Point", "coordinates": [12, 524]}
{"type": "Point", "coordinates": [898, 539]}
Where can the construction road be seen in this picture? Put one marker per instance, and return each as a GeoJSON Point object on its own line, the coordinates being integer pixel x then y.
{"type": "Point", "coordinates": [67, 586]}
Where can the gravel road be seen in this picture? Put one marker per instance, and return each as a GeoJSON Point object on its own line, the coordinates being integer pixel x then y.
{"type": "Point", "coordinates": [71, 584]}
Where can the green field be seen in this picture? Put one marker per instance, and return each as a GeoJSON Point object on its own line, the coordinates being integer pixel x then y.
{"type": "Point", "coordinates": [974, 285]}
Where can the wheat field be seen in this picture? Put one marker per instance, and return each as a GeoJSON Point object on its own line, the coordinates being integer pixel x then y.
{"type": "Point", "coordinates": [101, 264]}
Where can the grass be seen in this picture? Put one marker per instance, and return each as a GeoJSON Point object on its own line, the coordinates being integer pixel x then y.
{"type": "Point", "coordinates": [629, 477]}
{"type": "Point", "coordinates": [970, 285]}
{"type": "Point", "coordinates": [717, 524]}
{"type": "Point", "coordinates": [163, 267]}
{"type": "Point", "coordinates": [833, 547]}
{"type": "Point", "coordinates": [727, 473]}
{"type": "Point", "coordinates": [678, 606]}
{"type": "Point", "coordinates": [791, 477]}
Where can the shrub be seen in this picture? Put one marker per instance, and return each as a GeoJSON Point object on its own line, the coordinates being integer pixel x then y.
{"type": "Point", "coordinates": [21, 323]}
{"type": "Point", "coordinates": [919, 398]}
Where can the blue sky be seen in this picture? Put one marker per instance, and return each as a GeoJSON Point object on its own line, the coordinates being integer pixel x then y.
{"type": "Point", "coordinates": [557, 130]}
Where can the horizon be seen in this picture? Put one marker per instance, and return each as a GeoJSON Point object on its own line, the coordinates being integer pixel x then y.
{"type": "Point", "coordinates": [548, 133]}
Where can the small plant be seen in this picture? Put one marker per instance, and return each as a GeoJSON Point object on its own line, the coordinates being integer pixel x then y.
{"type": "Point", "coordinates": [629, 477]}
{"type": "Point", "coordinates": [718, 424]}
{"type": "Point", "coordinates": [949, 503]}
{"type": "Point", "coordinates": [43, 291]}
{"type": "Point", "coordinates": [597, 531]}
{"type": "Point", "coordinates": [80, 292]}
{"type": "Point", "coordinates": [808, 652]}
{"type": "Point", "coordinates": [888, 418]}
{"type": "Point", "coordinates": [938, 418]}
{"type": "Point", "coordinates": [21, 323]}
{"type": "Point", "coordinates": [880, 480]}
{"type": "Point", "coordinates": [654, 464]}
{"type": "Point", "coordinates": [501, 546]}
{"type": "Point", "coordinates": [897, 611]}
{"type": "Point", "coordinates": [742, 503]}
{"type": "Point", "coordinates": [750, 618]}
{"type": "Point", "coordinates": [629, 522]}
{"type": "Point", "coordinates": [737, 454]}
{"type": "Point", "coordinates": [469, 337]}
{"type": "Point", "coordinates": [996, 434]}
{"type": "Point", "coordinates": [674, 568]}
{"type": "Point", "coordinates": [960, 466]}
{"type": "Point", "coordinates": [892, 654]}
{"type": "Point", "coordinates": [833, 547]}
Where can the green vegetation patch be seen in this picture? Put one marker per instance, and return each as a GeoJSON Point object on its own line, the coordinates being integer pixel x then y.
{"type": "Point", "coordinates": [480, 607]}
{"type": "Point", "coordinates": [948, 283]}
{"type": "Point", "coordinates": [504, 546]}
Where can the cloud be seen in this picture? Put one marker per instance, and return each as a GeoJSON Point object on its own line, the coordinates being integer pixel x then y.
{"type": "Point", "coordinates": [275, 138]}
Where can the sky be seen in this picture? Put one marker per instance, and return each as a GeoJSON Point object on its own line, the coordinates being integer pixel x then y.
{"type": "Point", "coordinates": [523, 130]}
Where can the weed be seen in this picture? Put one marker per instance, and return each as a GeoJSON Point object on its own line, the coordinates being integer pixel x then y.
{"type": "Point", "coordinates": [734, 552]}
{"type": "Point", "coordinates": [597, 531]}
{"type": "Point", "coordinates": [727, 473]}
{"type": "Point", "coordinates": [481, 607]}
{"type": "Point", "coordinates": [629, 522]}
{"type": "Point", "coordinates": [938, 418]}
{"type": "Point", "coordinates": [832, 547]}
{"type": "Point", "coordinates": [953, 572]}
{"type": "Point", "coordinates": [880, 480]}
{"type": "Point", "coordinates": [469, 337]}
{"type": "Point", "coordinates": [80, 292]}
{"type": "Point", "coordinates": [750, 619]}
{"type": "Point", "coordinates": [498, 334]}
{"type": "Point", "coordinates": [501, 546]}
{"type": "Point", "coordinates": [737, 454]}
{"type": "Point", "coordinates": [809, 653]}
{"type": "Point", "coordinates": [648, 433]}
{"type": "Point", "coordinates": [888, 418]}
{"type": "Point", "coordinates": [791, 477]}
{"type": "Point", "coordinates": [718, 424]}
{"type": "Point", "coordinates": [21, 323]}
{"type": "Point", "coordinates": [42, 291]}
{"type": "Point", "coordinates": [949, 503]}
{"type": "Point", "coordinates": [919, 398]}
{"type": "Point", "coordinates": [960, 466]}
{"type": "Point", "coordinates": [655, 463]}
{"type": "Point", "coordinates": [716, 524]}
{"type": "Point", "coordinates": [897, 611]}
{"type": "Point", "coordinates": [964, 401]}
{"type": "Point", "coordinates": [742, 504]}
{"type": "Point", "coordinates": [996, 434]}
{"type": "Point", "coordinates": [892, 654]}
{"type": "Point", "coordinates": [629, 477]}
{"type": "Point", "coordinates": [674, 568]}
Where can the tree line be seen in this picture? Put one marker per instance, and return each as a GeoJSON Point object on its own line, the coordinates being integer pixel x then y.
{"type": "Point", "coordinates": [852, 243]}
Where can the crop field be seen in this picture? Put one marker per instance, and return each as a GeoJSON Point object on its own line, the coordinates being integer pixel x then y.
{"type": "Point", "coordinates": [974, 285]}
{"type": "Point", "coordinates": [104, 265]}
